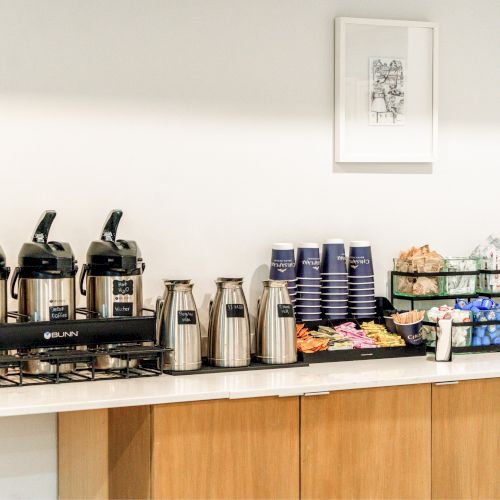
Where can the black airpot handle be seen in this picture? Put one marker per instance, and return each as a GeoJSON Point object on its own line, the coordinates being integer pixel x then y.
{"type": "Point", "coordinates": [41, 233]}
{"type": "Point", "coordinates": [111, 225]}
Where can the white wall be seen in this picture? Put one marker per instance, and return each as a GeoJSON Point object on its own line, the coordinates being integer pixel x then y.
{"type": "Point", "coordinates": [210, 123]}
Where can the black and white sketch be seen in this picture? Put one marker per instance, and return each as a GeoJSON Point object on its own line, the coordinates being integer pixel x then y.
{"type": "Point", "coordinates": [387, 91]}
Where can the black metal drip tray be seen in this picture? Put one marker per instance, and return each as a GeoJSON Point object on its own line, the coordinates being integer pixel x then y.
{"type": "Point", "coordinates": [254, 365]}
{"type": "Point", "coordinates": [133, 352]}
{"type": "Point", "coordinates": [15, 376]}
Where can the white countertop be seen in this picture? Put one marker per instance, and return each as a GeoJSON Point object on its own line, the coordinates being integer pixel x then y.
{"type": "Point", "coordinates": [318, 377]}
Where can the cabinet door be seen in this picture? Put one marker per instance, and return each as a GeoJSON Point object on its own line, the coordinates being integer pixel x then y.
{"type": "Point", "coordinates": [466, 440]}
{"type": "Point", "coordinates": [247, 448]}
{"type": "Point", "coordinates": [367, 443]}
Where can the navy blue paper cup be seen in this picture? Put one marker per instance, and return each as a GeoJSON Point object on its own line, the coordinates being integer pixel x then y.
{"type": "Point", "coordinates": [308, 283]}
{"type": "Point", "coordinates": [358, 311]}
{"type": "Point", "coordinates": [360, 259]}
{"type": "Point", "coordinates": [308, 262]}
{"type": "Point", "coordinates": [334, 303]}
{"type": "Point", "coordinates": [301, 312]}
{"type": "Point", "coordinates": [314, 294]}
{"type": "Point", "coordinates": [282, 262]}
{"type": "Point", "coordinates": [361, 283]}
{"type": "Point", "coordinates": [308, 302]}
{"type": "Point", "coordinates": [333, 298]}
{"type": "Point", "coordinates": [314, 318]}
{"type": "Point", "coordinates": [334, 284]}
{"type": "Point", "coordinates": [333, 257]}
{"type": "Point", "coordinates": [362, 291]}
{"type": "Point", "coordinates": [369, 302]}
{"type": "Point", "coordinates": [308, 293]}
{"type": "Point", "coordinates": [335, 288]}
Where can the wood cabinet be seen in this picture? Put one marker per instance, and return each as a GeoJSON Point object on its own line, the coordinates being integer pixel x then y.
{"type": "Point", "coordinates": [222, 449]}
{"type": "Point", "coordinates": [246, 448]}
{"type": "Point", "coordinates": [367, 443]}
{"type": "Point", "coordinates": [358, 444]}
{"type": "Point", "coordinates": [466, 440]}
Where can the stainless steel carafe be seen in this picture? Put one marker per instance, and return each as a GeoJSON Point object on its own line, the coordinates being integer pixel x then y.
{"type": "Point", "coordinates": [276, 334]}
{"type": "Point", "coordinates": [229, 325]}
{"type": "Point", "coordinates": [160, 303]}
{"type": "Point", "coordinates": [113, 275]}
{"type": "Point", "coordinates": [46, 275]}
{"type": "Point", "coordinates": [180, 327]}
{"type": "Point", "coordinates": [4, 276]}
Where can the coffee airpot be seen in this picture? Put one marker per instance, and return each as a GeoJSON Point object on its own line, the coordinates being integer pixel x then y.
{"type": "Point", "coordinates": [113, 277]}
{"type": "Point", "coordinates": [46, 292]}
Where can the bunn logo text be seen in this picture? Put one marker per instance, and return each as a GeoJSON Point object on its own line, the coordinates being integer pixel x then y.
{"type": "Point", "coordinates": [57, 335]}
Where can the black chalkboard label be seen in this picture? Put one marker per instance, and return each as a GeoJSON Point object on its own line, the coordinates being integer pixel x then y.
{"type": "Point", "coordinates": [186, 317]}
{"type": "Point", "coordinates": [123, 308]}
{"type": "Point", "coordinates": [58, 313]}
{"type": "Point", "coordinates": [235, 310]}
{"type": "Point", "coordinates": [285, 311]}
{"type": "Point", "coordinates": [123, 287]}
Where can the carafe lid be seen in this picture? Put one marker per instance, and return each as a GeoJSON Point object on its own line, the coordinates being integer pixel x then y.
{"type": "Point", "coordinates": [39, 254]}
{"type": "Point", "coordinates": [110, 254]}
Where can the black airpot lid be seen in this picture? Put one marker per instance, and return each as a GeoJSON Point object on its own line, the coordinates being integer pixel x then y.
{"type": "Point", "coordinates": [110, 254]}
{"type": "Point", "coordinates": [41, 255]}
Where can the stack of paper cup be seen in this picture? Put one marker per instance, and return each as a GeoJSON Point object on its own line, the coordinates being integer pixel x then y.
{"type": "Point", "coordinates": [308, 305]}
{"type": "Point", "coordinates": [361, 280]}
{"type": "Point", "coordinates": [334, 290]}
{"type": "Point", "coordinates": [283, 267]}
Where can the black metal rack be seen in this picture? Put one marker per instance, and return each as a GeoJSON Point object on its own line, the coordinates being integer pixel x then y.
{"type": "Point", "coordinates": [468, 349]}
{"type": "Point", "coordinates": [77, 342]}
{"type": "Point", "coordinates": [486, 293]}
{"type": "Point", "coordinates": [417, 298]}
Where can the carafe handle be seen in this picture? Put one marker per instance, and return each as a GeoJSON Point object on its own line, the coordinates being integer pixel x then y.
{"type": "Point", "coordinates": [160, 302]}
{"type": "Point", "coordinates": [111, 225]}
{"type": "Point", "coordinates": [42, 229]}
{"type": "Point", "coordinates": [83, 272]}
{"type": "Point", "coordinates": [15, 275]}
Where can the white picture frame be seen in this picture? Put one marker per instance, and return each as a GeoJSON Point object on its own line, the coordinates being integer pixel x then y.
{"type": "Point", "coordinates": [407, 131]}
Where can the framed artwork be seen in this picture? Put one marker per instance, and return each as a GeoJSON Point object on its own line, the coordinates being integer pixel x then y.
{"type": "Point", "coordinates": [386, 99]}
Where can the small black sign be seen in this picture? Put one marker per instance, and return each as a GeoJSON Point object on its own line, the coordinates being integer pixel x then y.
{"type": "Point", "coordinates": [186, 317]}
{"type": "Point", "coordinates": [123, 287]}
{"type": "Point", "coordinates": [57, 313]}
{"type": "Point", "coordinates": [235, 310]}
{"type": "Point", "coordinates": [123, 309]}
{"type": "Point", "coordinates": [285, 311]}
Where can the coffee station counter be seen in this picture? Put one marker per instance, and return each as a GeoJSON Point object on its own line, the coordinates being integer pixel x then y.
{"type": "Point", "coordinates": [315, 378]}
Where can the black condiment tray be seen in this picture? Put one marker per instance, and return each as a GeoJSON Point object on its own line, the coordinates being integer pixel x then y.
{"type": "Point", "coordinates": [359, 354]}
{"type": "Point", "coordinates": [254, 365]}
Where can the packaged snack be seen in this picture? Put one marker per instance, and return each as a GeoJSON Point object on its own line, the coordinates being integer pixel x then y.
{"type": "Point", "coordinates": [422, 260]}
